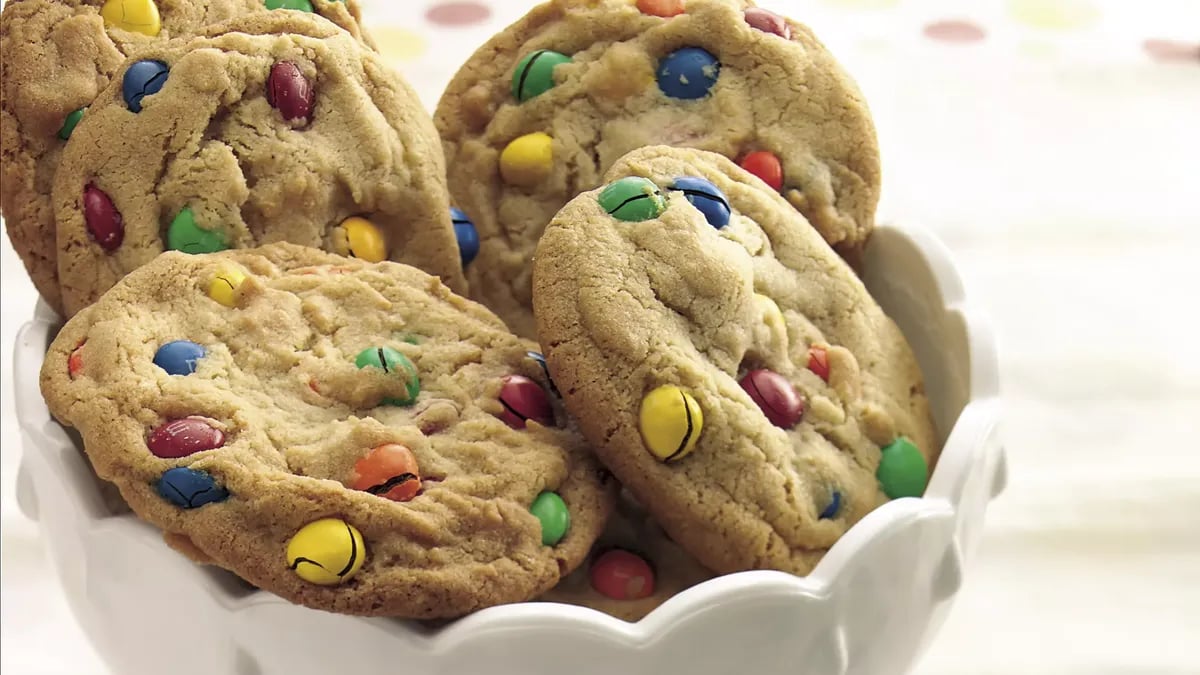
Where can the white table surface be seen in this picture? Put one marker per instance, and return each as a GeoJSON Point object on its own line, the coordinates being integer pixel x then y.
{"type": "Point", "coordinates": [1061, 165]}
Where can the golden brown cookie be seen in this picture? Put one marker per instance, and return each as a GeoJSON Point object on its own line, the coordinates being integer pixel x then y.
{"type": "Point", "coordinates": [541, 112]}
{"type": "Point", "coordinates": [727, 366]}
{"type": "Point", "coordinates": [58, 55]}
{"type": "Point", "coordinates": [351, 436]}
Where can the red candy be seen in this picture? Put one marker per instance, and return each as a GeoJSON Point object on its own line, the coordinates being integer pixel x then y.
{"type": "Point", "coordinates": [766, 166]}
{"type": "Point", "coordinates": [768, 22]}
{"type": "Point", "coordinates": [818, 362]}
{"type": "Point", "coordinates": [523, 399]}
{"type": "Point", "coordinates": [183, 437]}
{"type": "Point", "coordinates": [103, 220]}
{"type": "Point", "coordinates": [389, 471]}
{"type": "Point", "coordinates": [622, 575]}
{"type": "Point", "coordinates": [75, 361]}
{"type": "Point", "coordinates": [663, 8]}
{"type": "Point", "coordinates": [776, 397]}
{"type": "Point", "coordinates": [289, 92]}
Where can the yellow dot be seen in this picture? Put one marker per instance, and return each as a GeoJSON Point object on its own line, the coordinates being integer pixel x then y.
{"type": "Point", "coordinates": [670, 421]}
{"type": "Point", "coordinates": [360, 238]}
{"type": "Point", "coordinates": [326, 552]}
{"type": "Point", "coordinates": [224, 286]}
{"type": "Point", "coordinates": [527, 160]}
{"type": "Point", "coordinates": [137, 16]}
{"type": "Point", "coordinates": [398, 43]}
{"type": "Point", "coordinates": [1054, 14]}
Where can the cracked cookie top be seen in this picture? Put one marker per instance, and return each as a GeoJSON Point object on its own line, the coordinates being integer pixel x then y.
{"type": "Point", "coordinates": [277, 127]}
{"type": "Point", "coordinates": [542, 110]}
{"type": "Point", "coordinates": [351, 436]}
{"type": "Point", "coordinates": [726, 365]}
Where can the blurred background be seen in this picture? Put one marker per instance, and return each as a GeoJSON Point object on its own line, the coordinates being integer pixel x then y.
{"type": "Point", "coordinates": [1054, 146]}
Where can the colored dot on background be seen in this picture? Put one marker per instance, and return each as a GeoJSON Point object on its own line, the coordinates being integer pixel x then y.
{"type": "Point", "coordinates": [458, 13]}
{"type": "Point", "coordinates": [955, 31]}
{"type": "Point", "coordinates": [1173, 51]}
{"type": "Point", "coordinates": [1054, 14]}
{"type": "Point", "coordinates": [399, 44]}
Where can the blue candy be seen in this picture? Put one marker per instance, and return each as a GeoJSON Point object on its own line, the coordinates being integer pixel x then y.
{"type": "Point", "coordinates": [142, 79]}
{"type": "Point", "coordinates": [468, 238]}
{"type": "Point", "coordinates": [835, 505]}
{"type": "Point", "coordinates": [688, 73]}
{"type": "Point", "coordinates": [189, 488]}
{"type": "Point", "coordinates": [541, 361]}
{"type": "Point", "coordinates": [179, 357]}
{"type": "Point", "coordinates": [707, 198]}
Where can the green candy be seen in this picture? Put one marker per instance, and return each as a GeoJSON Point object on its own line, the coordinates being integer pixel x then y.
{"type": "Point", "coordinates": [535, 73]}
{"type": "Point", "coordinates": [902, 470]}
{"type": "Point", "coordinates": [70, 123]}
{"type": "Point", "coordinates": [391, 361]}
{"type": "Point", "coordinates": [302, 5]}
{"type": "Point", "coordinates": [633, 199]}
{"type": "Point", "coordinates": [185, 235]}
{"type": "Point", "coordinates": [556, 519]}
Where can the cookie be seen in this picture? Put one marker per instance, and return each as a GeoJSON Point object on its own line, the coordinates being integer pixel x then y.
{"type": "Point", "coordinates": [351, 436]}
{"type": "Point", "coordinates": [728, 367]}
{"type": "Point", "coordinates": [541, 112]}
{"type": "Point", "coordinates": [633, 569]}
{"type": "Point", "coordinates": [280, 128]}
{"type": "Point", "coordinates": [58, 55]}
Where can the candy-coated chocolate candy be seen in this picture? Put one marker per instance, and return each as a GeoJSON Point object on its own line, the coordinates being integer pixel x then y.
{"type": "Point", "coordinates": [224, 285]}
{"type": "Point", "coordinates": [768, 22]}
{"type": "Point", "coordinates": [766, 166]}
{"type": "Point", "coordinates": [185, 235]}
{"type": "Point", "coordinates": [556, 519]}
{"type": "Point", "coordinates": [632, 199]}
{"type": "Point", "coordinates": [136, 16]}
{"type": "Point", "coordinates": [818, 362]}
{"type": "Point", "coordinates": [902, 470]}
{"type": "Point", "coordinates": [523, 399]}
{"type": "Point", "coordinates": [179, 357]}
{"type": "Point", "coordinates": [541, 361]}
{"type": "Point", "coordinates": [103, 220]}
{"type": "Point", "coordinates": [360, 238]}
{"type": "Point", "coordinates": [467, 235]}
{"type": "Point", "coordinates": [670, 421]}
{"type": "Point", "coordinates": [835, 505]}
{"type": "Point", "coordinates": [770, 311]}
{"type": "Point", "coordinates": [301, 5]}
{"type": "Point", "coordinates": [534, 74]}
{"type": "Point", "coordinates": [143, 78]}
{"type": "Point", "coordinates": [75, 361]}
{"type": "Point", "coordinates": [70, 122]}
{"type": "Point", "coordinates": [527, 160]}
{"type": "Point", "coordinates": [183, 437]}
{"type": "Point", "coordinates": [190, 488]}
{"type": "Point", "coordinates": [392, 361]}
{"type": "Point", "coordinates": [777, 398]}
{"type": "Point", "coordinates": [688, 73]}
{"type": "Point", "coordinates": [622, 575]}
{"type": "Point", "coordinates": [290, 92]}
{"type": "Point", "coordinates": [389, 471]}
{"type": "Point", "coordinates": [707, 198]}
{"type": "Point", "coordinates": [663, 8]}
{"type": "Point", "coordinates": [326, 552]}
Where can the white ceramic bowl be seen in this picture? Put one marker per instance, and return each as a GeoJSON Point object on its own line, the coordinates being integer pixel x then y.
{"type": "Point", "coordinates": [870, 607]}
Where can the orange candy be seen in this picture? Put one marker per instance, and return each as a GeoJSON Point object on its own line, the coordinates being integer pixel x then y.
{"type": "Point", "coordinates": [75, 361]}
{"type": "Point", "coordinates": [818, 362]}
{"type": "Point", "coordinates": [766, 166]}
{"type": "Point", "coordinates": [389, 471]}
{"type": "Point", "coordinates": [663, 8]}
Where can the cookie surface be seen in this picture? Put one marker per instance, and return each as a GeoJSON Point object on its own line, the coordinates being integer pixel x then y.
{"type": "Point", "coordinates": [541, 112]}
{"type": "Point", "coordinates": [281, 128]}
{"type": "Point", "coordinates": [735, 376]}
{"type": "Point", "coordinates": [58, 55]}
{"type": "Point", "coordinates": [334, 431]}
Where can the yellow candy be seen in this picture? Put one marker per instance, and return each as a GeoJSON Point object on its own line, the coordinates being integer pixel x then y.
{"type": "Point", "coordinates": [326, 552]}
{"type": "Point", "coordinates": [671, 422]}
{"type": "Point", "coordinates": [770, 311]}
{"type": "Point", "coordinates": [527, 160]}
{"type": "Point", "coordinates": [360, 238]}
{"type": "Point", "coordinates": [223, 287]}
{"type": "Point", "coordinates": [137, 16]}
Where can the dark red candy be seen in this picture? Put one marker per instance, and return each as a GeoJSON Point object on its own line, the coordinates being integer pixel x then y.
{"type": "Point", "coordinates": [289, 92]}
{"type": "Point", "coordinates": [622, 575]}
{"type": "Point", "coordinates": [777, 398]}
{"type": "Point", "coordinates": [768, 22]}
{"type": "Point", "coordinates": [182, 437]}
{"type": "Point", "coordinates": [818, 362]}
{"type": "Point", "coordinates": [523, 399]}
{"type": "Point", "coordinates": [103, 219]}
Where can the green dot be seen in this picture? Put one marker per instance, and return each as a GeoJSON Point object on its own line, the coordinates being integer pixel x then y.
{"type": "Point", "coordinates": [633, 199]}
{"type": "Point", "coordinates": [185, 235]}
{"type": "Point", "coordinates": [302, 5]}
{"type": "Point", "coordinates": [535, 74]}
{"type": "Point", "coordinates": [556, 519]}
{"type": "Point", "coordinates": [902, 470]}
{"type": "Point", "coordinates": [69, 124]}
{"type": "Point", "coordinates": [392, 361]}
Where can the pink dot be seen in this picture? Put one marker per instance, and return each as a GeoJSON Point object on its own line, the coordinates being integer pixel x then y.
{"type": "Point", "coordinates": [954, 30]}
{"type": "Point", "coordinates": [1172, 51]}
{"type": "Point", "coordinates": [458, 13]}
